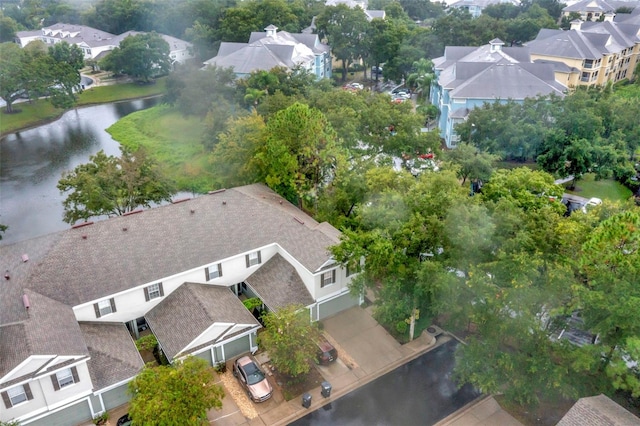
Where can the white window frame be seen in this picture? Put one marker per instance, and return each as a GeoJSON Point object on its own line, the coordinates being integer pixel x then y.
{"type": "Point", "coordinates": [65, 378]}
{"type": "Point", "coordinates": [328, 278]}
{"type": "Point", "coordinates": [214, 271]}
{"type": "Point", "coordinates": [15, 392]}
{"type": "Point", "coordinates": [254, 258]}
{"type": "Point", "coordinates": [154, 291]}
{"type": "Point", "coordinates": [103, 305]}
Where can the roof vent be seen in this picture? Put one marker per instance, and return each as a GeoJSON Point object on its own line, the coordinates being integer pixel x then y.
{"type": "Point", "coordinates": [124, 228]}
{"type": "Point", "coordinates": [224, 203]}
{"type": "Point", "coordinates": [300, 221]}
{"type": "Point", "coordinates": [25, 301]}
{"type": "Point", "coordinates": [6, 275]}
{"type": "Point", "coordinates": [84, 237]}
{"type": "Point", "coordinates": [192, 211]}
{"type": "Point", "coordinates": [25, 258]}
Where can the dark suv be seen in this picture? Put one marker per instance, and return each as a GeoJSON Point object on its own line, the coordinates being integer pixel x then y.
{"type": "Point", "coordinates": [326, 352]}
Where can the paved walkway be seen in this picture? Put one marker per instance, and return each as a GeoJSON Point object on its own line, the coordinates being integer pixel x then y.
{"type": "Point", "coordinates": [483, 412]}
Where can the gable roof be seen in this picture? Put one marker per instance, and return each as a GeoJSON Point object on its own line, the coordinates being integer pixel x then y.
{"type": "Point", "coordinates": [267, 50]}
{"type": "Point", "coordinates": [278, 284]}
{"type": "Point", "coordinates": [39, 334]}
{"type": "Point", "coordinates": [590, 6]}
{"type": "Point", "coordinates": [598, 410]}
{"type": "Point", "coordinates": [190, 310]}
{"type": "Point", "coordinates": [128, 251]}
{"type": "Point", "coordinates": [114, 357]}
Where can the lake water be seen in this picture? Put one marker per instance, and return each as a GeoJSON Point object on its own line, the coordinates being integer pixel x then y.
{"type": "Point", "coordinates": [32, 162]}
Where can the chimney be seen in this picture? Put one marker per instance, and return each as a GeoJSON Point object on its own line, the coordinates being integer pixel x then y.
{"type": "Point", "coordinates": [576, 24]}
{"type": "Point", "coordinates": [25, 301]}
{"type": "Point", "coordinates": [608, 17]}
{"type": "Point", "coordinates": [496, 45]}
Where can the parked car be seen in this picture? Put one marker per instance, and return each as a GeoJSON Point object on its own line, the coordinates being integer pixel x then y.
{"type": "Point", "coordinates": [252, 379]}
{"type": "Point", "coordinates": [124, 420]}
{"type": "Point", "coordinates": [327, 353]}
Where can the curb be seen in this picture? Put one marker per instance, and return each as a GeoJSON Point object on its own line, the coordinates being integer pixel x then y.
{"type": "Point", "coordinates": [337, 393]}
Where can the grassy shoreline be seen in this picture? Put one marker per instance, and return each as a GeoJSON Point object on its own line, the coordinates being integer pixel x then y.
{"type": "Point", "coordinates": [39, 112]}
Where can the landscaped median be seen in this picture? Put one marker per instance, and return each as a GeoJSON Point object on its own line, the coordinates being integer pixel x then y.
{"type": "Point", "coordinates": [41, 111]}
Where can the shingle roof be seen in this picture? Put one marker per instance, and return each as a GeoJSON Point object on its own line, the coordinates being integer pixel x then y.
{"type": "Point", "coordinates": [190, 310]}
{"type": "Point", "coordinates": [564, 44]}
{"type": "Point", "coordinates": [50, 329]}
{"type": "Point", "coordinates": [76, 34]}
{"type": "Point", "coordinates": [278, 284]}
{"type": "Point", "coordinates": [590, 6]}
{"type": "Point", "coordinates": [598, 410]}
{"type": "Point", "coordinates": [114, 356]}
{"type": "Point", "coordinates": [167, 240]}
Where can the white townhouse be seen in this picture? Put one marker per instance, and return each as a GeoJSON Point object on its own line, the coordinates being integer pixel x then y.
{"type": "Point", "coordinates": [72, 302]}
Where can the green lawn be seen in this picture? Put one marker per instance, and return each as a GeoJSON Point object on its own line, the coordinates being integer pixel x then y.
{"type": "Point", "coordinates": [173, 140]}
{"type": "Point", "coordinates": [41, 111]}
{"type": "Point", "coordinates": [607, 189]}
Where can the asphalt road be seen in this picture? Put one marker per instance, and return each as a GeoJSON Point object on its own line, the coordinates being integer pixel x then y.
{"type": "Point", "coordinates": [420, 392]}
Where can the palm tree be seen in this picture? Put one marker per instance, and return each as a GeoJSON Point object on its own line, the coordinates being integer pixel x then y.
{"type": "Point", "coordinates": [420, 79]}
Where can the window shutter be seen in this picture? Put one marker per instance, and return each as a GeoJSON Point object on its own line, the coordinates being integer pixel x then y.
{"type": "Point", "coordinates": [333, 276]}
{"type": "Point", "coordinates": [246, 257]}
{"type": "Point", "coordinates": [113, 304]}
{"type": "Point", "coordinates": [161, 289]}
{"type": "Point", "coordinates": [74, 373]}
{"type": "Point", "coordinates": [54, 382]}
{"type": "Point", "coordinates": [219, 269]}
{"type": "Point", "coordinates": [7, 401]}
{"type": "Point", "coordinates": [146, 294]}
{"type": "Point", "coordinates": [97, 309]}
{"type": "Point", "coordinates": [27, 390]}
{"type": "Point", "coordinates": [206, 273]}
{"type": "Point", "coordinates": [259, 258]}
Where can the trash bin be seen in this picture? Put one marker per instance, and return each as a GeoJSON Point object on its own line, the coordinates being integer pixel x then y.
{"type": "Point", "coordinates": [325, 389]}
{"type": "Point", "coordinates": [306, 400]}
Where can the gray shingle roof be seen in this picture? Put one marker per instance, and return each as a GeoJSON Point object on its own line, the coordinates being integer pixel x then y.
{"type": "Point", "coordinates": [114, 356]}
{"type": "Point", "coordinates": [598, 410]}
{"type": "Point", "coordinates": [167, 240]}
{"type": "Point", "coordinates": [278, 284]}
{"type": "Point", "coordinates": [190, 310]}
{"type": "Point", "coordinates": [50, 329]}
{"type": "Point", "coordinates": [590, 6]}
{"type": "Point", "coordinates": [75, 34]}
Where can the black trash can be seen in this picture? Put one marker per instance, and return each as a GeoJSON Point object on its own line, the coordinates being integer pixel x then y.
{"type": "Point", "coordinates": [325, 389]}
{"type": "Point", "coordinates": [306, 400]}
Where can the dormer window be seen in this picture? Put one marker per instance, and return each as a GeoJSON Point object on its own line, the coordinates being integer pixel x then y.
{"type": "Point", "coordinates": [213, 271]}
{"type": "Point", "coordinates": [153, 291]}
{"type": "Point", "coordinates": [64, 378]}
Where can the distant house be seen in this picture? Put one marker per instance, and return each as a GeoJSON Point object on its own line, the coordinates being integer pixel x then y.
{"type": "Point", "coordinates": [598, 410]}
{"type": "Point", "coordinates": [362, 4]}
{"type": "Point", "coordinates": [95, 44]}
{"type": "Point", "coordinates": [72, 302]}
{"type": "Point", "coordinates": [475, 7]}
{"type": "Point", "coordinates": [591, 53]}
{"type": "Point", "coordinates": [595, 10]}
{"type": "Point", "coordinates": [468, 77]}
{"type": "Point", "coordinates": [273, 48]}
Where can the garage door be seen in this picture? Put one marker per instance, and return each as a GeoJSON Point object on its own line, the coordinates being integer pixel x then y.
{"type": "Point", "coordinates": [335, 305]}
{"type": "Point", "coordinates": [73, 415]}
{"type": "Point", "coordinates": [116, 397]}
{"type": "Point", "coordinates": [237, 347]}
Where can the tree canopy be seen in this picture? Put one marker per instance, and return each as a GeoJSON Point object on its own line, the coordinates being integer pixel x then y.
{"type": "Point", "coordinates": [141, 56]}
{"type": "Point", "coordinates": [180, 393]}
{"type": "Point", "coordinates": [109, 185]}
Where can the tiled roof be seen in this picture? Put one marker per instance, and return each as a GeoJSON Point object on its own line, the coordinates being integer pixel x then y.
{"type": "Point", "coordinates": [598, 410]}
{"type": "Point", "coordinates": [167, 240]}
{"type": "Point", "coordinates": [190, 310]}
{"type": "Point", "coordinates": [114, 356]}
{"type": "Point", "coordinates": [278, 284]}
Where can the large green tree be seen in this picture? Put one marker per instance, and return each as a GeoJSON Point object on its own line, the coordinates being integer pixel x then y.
{"type": "Point", "coordinates": [345, 30]}
{"type": "Point", "coordinates": [141, 56]}
{"type": "Point", "coordinates": [109, 185]}
{"type": "Point", "coordinates": [178, 394]}
{"type": "Point", "coordinates": [13, 73]}
{"type": "Point", "coordinates": [66, 62]}
{"type": "Point", "coordinates": [289, 337]}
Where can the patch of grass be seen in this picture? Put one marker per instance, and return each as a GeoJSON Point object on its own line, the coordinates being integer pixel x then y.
{"type": "Point", "coordinates": [173, 140]}
{"type": "Point", "coordinates": [31, 114]}
{"type": "Point", "coordinates": [41, 111]}
{"type": "Point", "coordinates": [606, 189]}
{"type": "Point", "coordinates": [121, 92]}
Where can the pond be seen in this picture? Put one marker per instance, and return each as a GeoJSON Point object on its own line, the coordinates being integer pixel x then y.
{"type": "Point", "coordinates": [32, 162]}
